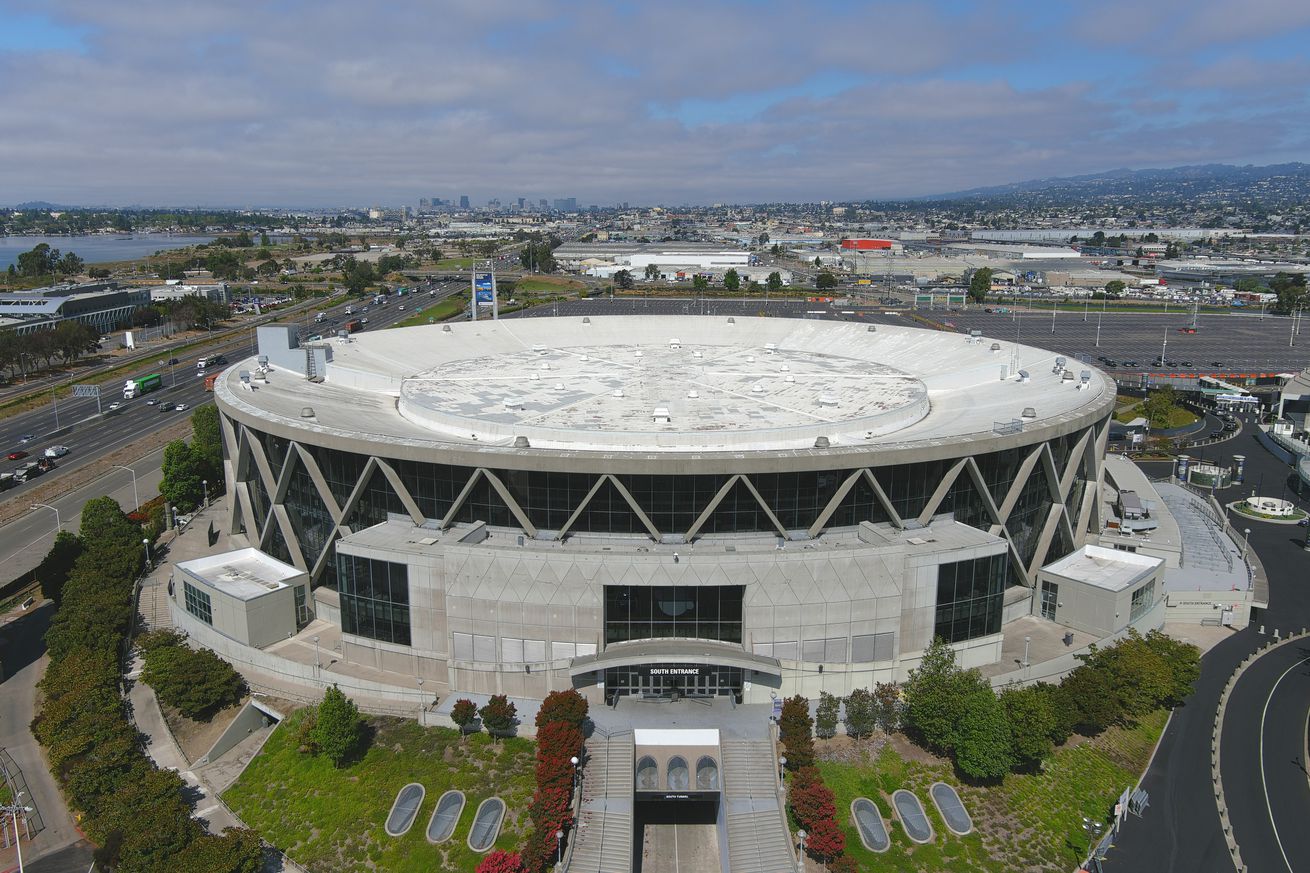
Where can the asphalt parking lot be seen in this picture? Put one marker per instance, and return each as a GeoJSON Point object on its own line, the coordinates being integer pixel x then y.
{"type": "Point", "coordinates": [1240, 343]}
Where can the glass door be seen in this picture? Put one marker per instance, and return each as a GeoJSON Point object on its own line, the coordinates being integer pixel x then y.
{"type": "Point", "coordinates": [1050, 599]}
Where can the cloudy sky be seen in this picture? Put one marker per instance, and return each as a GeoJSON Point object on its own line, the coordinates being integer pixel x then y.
{"type": "Point", "coordinates": [329, 102]}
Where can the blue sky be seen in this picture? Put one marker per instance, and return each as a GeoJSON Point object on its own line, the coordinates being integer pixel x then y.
{"type": "Point", "coordinates": [328, 102]}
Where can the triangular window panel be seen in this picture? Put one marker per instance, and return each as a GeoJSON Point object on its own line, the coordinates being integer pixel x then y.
{"type": "Point", "coordinates": [738, 511]}
{"type": "Point", "coordinates": [275, 448]}
{"type": "Point", "coordinates": [607, 512]}
{"type": "Point", "coordinates": [484, 504]}
{"type": "Point", "coordinates": [277, 544]}
{"type": "Point", "coordinates": [377, 499]}
{"type": "Point", "coordinates": [964, 500]}
{"type": "Point", "coordinates": [259, 497]}
{"type": "Point", "coordinates": [341, 470]}
{"type": "Point", "coordinates": [999, 469]}
{"type": "Point", "coordinates": [673, 503]}
{"type": "Point", "coordinates": [310, 518]}
{"type": "Point", "coordinates": [859, 505]}
{"type": "Point", "coordinates": [909, 487]}
{"type": "Point", "coordinates": [1061, 545]}
{"type": "Point", "coordinates": [1029, 513]}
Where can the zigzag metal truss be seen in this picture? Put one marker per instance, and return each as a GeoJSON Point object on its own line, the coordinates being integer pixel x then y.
{"type": "Point", "coordinates": [1072, 511]}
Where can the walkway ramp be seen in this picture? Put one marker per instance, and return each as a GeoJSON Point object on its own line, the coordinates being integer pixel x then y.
{"type": "Point", "coordinates": [603, 839]}
{"type": "Point", "coordinates": [758, 839]}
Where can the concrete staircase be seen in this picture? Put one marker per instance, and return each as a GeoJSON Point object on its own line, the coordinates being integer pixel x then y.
{"type": "Point", "coordinates": [758, 838]}
{"type": "Point", "coordinates": [603, 837]}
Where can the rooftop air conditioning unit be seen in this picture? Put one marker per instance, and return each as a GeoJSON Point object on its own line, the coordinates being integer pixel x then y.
{"type": "Point", "coordinates": [1023, 376]}
{"type": "Point", "coordinates": [827, 400]}
{"type": "Point", "coordinates": [513, 403]}
{"type": "Point", "coordinates": [771, 348]}
{"type": "Point", "coordinates": [1028, 412]}
{"type": "Point", "coordinates": [996, 347]}
{"type": "Point", "coordinates": [661, 415]}
{"type": "Point", "coordinates": [675, 343]}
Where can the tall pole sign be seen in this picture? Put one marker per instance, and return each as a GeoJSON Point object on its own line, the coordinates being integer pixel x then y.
{"type": "Point", "coordinates": [484, 293]}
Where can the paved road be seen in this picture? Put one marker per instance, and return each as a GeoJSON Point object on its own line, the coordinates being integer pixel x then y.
{"type": "Point", "coordinates": [1264, 760]}
{"type": "Point", "coordinates": [1181, 829]}
{"type": "Point", "coordinates": [22, 651]}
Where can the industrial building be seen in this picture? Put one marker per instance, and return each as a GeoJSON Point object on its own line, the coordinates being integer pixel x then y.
{"type": "Point", "coordinates": [649, 505]}
{"type": "Point", "coordinates": [103, 305]}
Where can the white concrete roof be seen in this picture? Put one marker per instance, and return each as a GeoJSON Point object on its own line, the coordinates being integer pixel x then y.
{"type": "Point", "coordinates": [746, 384]}
{"type": "Point", "coordinates": [244, 574]}
{"type": "Point", "coordinates": [1110, 569]}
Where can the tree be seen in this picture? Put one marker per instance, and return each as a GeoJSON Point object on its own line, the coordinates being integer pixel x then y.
{"type": "Point", "coordinates": [1291, 291]}
{"type": "Point", "coordinates": [796, 730]}
{"type": "Point", "coordinates": [980, 284]}
{"type": "Point", "coordinates": [860, 713]}
{"type": "Point", "coordinates": [41, 260]}
{"type": "Point", "coordinates": [223, 264]}
{"type": "Point", "coordinates": [236, 850]}
{"type": "Point", "coordinates": [207, 444]}
{"type": "Point", "coordinates": [1141, 676]}
{"type": "Point", "coordinates": [825, 280]}
{"type": "Point", "coordinates": [623, 280]}
{"type": "Point", "coordinates": [70, 264]}
{"type": "Point", "coordinates": [810, 799]}
{"type": "Point", "coordinates": [1031, 721]}
{"type": "Point", "coordinates": [558, 742]}
{"type": "Point", "coordinates": [567, 706]}
{"type": "Point", "coordinates": [500, 861]}
{"type": "Point", "coordinates": [652, 272]}
{"type": "Point", "coordinates": [196, 682]}
{"type": "Point", "coordinates": [1063, 709]}
{"type": "Point", "coordinates": [731, 281]}
{"type": "Point", "coordinates": [338, 728]}
{"type": "Point", "coordinates": [182, 475]}
{"type": "Point", "coordinates": [825, 715]}
{"type": "Point", "coordinates": [774, 281]}
{"type": "Point", "coordinates": [932, 699]}
{"type": "Point", "coordinates": [463, 713]}
{"type": "Point", "coordinates": [887, 706]}
{"type": "Point", "coordinates": [111, 538]}
{"type": "Point", "coordinates": [983, 751]}
{"type": "Point", "coordinates": [53, 570]}
{"type": "Point", "coordinates": [1159, 406]}
{"type": "Point", "coordinates": [700, 283]}
{"type": "Point", "coordinates": [1184, 660]}
{"type": "Point", "coordinates": [1094, 698]}
{"type": "Point", "coordinates": [762, 240]}
{"type": "Point", "coordinates": [1114, 289]}
{"type": "Point", "coordinates": [498, 715]}
{"type": "Point", "coordinates": [825, 839]}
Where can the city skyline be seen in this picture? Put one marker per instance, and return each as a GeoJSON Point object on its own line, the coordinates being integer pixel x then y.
{"type": "Point", "coordinates": [697, 103]}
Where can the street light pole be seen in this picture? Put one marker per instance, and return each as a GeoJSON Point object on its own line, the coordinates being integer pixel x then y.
{"type": "Point", "coordinates": [54, 398]}
{"type": "Point", "coordinates": [136, 499]}
{"type": "Point", "coordinates": [59, 525]}
{"type": "Point", "coordinates": [559, 848]}
{"type": "Point", "coordinates": [13, 810]}
{"type": "Point", "coordinates": [146, 543]}
{"type": "Point", "coordinates": [318, 665]}
{"type": "Point", "coordinates": [1098, 331]}
{"type": "Point", "coordinates": [204, 483]}
{"type": "Point", "coordinates": [1026, 641]}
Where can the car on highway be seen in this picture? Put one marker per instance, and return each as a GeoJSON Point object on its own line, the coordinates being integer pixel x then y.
{"type": "Point", "coordinates": [151, 402]}
{"type": "Point", "coordinates": [26, 438]}
{"type": "Point", "coordinates": [180, 407]}
{"type": "Point", "coordinates": [115, 405]}
{"type": "Point", "coordinates": [18, 455]}
{"type": "Point", "coordinates": [166, 406]}
{"type": "Point", "coordinates": [56, 451]}
{"type": "Point", "coordinates": [1218, 364]}
{"type": "Point", "coordinates": [172, 360]}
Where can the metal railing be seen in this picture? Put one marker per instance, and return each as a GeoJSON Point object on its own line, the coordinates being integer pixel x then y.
{"type": "Point", "coordinates": [17, 784]}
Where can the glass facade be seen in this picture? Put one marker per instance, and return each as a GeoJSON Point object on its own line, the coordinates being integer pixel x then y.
{"type": "Point", "coordinates": [197, 603]}
{"type": "Point", "coordinates": [970, 595]}
{"type": "Point", "coordinates": [672, 502]}
{"type": "Point", "coordinates": [707, 612]}
{"type": "Point", "coordinates": [374, 598]}
{"type": "Point", "coordinates": [669, 680]}
{"type": "Point", "coordinates": [1143, 599]}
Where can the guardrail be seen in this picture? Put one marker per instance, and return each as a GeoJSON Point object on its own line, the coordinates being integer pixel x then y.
{"type": "Point", "coordinates": [14, 779]}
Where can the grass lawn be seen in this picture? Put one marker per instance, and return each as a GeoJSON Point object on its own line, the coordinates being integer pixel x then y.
{"type": "Point", "coordinates": [1029, 822]}
{"type": "Point", "coordinates": [455, 263]}
{"type": "Point", "coordinates": [1178, 416]}
{"type": "Point", "coordinates": [331, 820]}
{"type": "Point", "coordinates": [547, 283]}
{"type": "Point", "coordinates": [437, 312]}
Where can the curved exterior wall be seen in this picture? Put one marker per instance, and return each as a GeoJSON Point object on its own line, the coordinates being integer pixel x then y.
{"type": "Point", "coordinates": [297, 490]}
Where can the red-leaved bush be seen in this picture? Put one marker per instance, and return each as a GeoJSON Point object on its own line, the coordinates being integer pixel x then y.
{"type": "Point", "coordinates": [500, 861]}
{"type": "Point", "coordinates": [566, 706]}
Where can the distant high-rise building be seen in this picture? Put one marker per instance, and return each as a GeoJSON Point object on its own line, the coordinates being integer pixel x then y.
{"type": "Point", "coordinates": [463, 201]}
{"type": "Point", "coordinates": [542, 203]}
{"type": "Point", "coordinates": [424, 203]}
{"type": "Point", "coordinates": [566, 204]}
{"type": "Point", "coordinates": [625, 204]}
{"type": "Point", "coordinates": [494, 202]}
{"type": "Point", "coordinates": [522, 201]}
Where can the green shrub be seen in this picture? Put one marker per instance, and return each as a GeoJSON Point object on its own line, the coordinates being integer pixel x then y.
{"type": "Point", "coordinates": [338, 731]}
{"type": "Point", "coordinates": [196, 682]}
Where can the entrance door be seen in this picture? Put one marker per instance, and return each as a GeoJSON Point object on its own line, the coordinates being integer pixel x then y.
{"type": "Point", "coordinates": [1050, 599]}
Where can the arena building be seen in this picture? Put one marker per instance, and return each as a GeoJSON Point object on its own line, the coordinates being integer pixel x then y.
{"type": "Point", "coordinates": [655, 505]}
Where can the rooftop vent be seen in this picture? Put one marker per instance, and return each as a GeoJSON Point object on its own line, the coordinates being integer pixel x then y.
{"type": "Point", "coordinates": [789, 378]}
{"type": "Point", "coordinates": [559, 386]}
{"type": "Point", "coordinates": [306, 412]}
{"type": "Point", "coordinates": [513, 403]}
{"type": "Point", "coordinates": [586, 319]}
{"type": "Point", "coordinates": [541, 350]}
{"type": "Point", "coordinates": [262, 360]}
{"type": "Point", "coordinates": [637, 353]}
{"type": "Point", "coordinates": [996, 347]}
{"type": "Point", "coordinates": [1085, 376]}
{"type": "Point", "coordinates": [675, 343]}
{"type": "Point", "coordinates": [1061, 361]}
{"type": "Point", "coordinates": [827, 400]}
{"type": "Point", "coordinates": [521, 442]}
{"type": "Point", "coordinates": [770, 347]}
{"type": "Point", "coordinates": [693, 394]}
{"type": "Point", "coordinates": [750, 359]}
{"type": "Point", "coordinates": [821, 442]}
{"type": "Point", "coordinates": [617, 392]}
{"type": "Point", "coordinates": [1023, 376]}
{"type": "Point", "coordinates": [1029, 412]}
{"type": "Point", "coordinates": [445, 328]}
{"type": "Point", "coordinates": [661, 415]}
{"type": "Point", "coordinates": [697, 354]}
{"type": "Point", "coordinates": [536, 377]}
{"type": "Point", "coordinates": [585, 358]}
{"type": "Point", "coordinates": [731, 320]}
{"type": "Point", "coordinates": [785, 368]}
{"type": "Point", "coordinates": [757, 388]}
{"type": "Point", "coordinates": [545, 366]}
{"type": "Point", "coordinates": [873, 329]}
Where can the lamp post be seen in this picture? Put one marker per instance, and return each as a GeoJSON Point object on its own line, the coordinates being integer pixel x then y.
{"type": "Point", "coordinates": [136, 500]}
{"type": "Point", "coordinates": [54, 398]}
{"type": "Point", "coordinates": [1246, 541]}
{"type": "Point", "coordinates": [146, 543]}
{"type": "Point", "coordinates": [1026, 641]}
{"type": "Point", "coordinates": [1092, 830]}
{"type": "Point", "coordinates": [1098, 331]}
{"type": "Point", "coordinates": [559, 848]}
{"type": "Point", "coordinates": [782, 766]}
{"type": "Point", "coordinates": [317, 664]}
{"type": "Point", "coordinates": [59, 525]}
{"type": "Point", "coordinates": [801, 835]}
{"type": "Point", "coordinates": [574, 761]}
{"type": "Point", "coordinates": [204, 484]}
{"type": "Point", "coordinates": [15, 809]}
